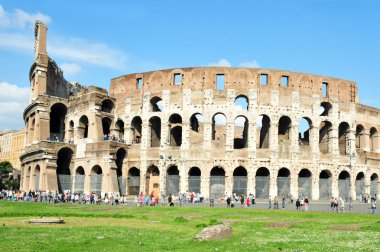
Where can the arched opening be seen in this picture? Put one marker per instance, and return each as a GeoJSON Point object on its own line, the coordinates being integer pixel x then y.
{"type": "Point", "coordinates": [241, 132]}
{"type": "Point", "coordinates": [156, 104]}
{"type": "Point", "coordinates": [172, 180]}
{"type": "Point", "coordinates": [37, 172]}
{"type": "Point", "coordinates": [107, 106]}
{"type": "Point", "coordinates": [324, 136]}
{"type": "Point", "coordinates": [57, 122]}
{"type": "Point", "coordinates": [359, 135]}
{"type": "Point", "coordinates": [344, 137]}
{"type": "Point", "coordinates": [70, 132]}
{"type": "Point", "coordinates": [283, 183]}
{"type": "Point", "coordinates": [136, 127]}
{"type": "Point", "coordinates": [175, 125]}
{"type": "Point", "coordinates": [27, 178]}
{"type": "Point", "coordinates": [119, 129]}
{"type": "Point", "coordinates": [304, 184]}
{"type": "Point", "coordinates": [152, 180]}
{"type": "Point", "coordinates": [262, 183]}
{"type": "Point", "coordinates": [197, 128]}
{"type": "Point", "coordinates": [325, 109]}
{"type": "Point", "coordinates": [64, 159]}
{"type": "Point", "coordinates": [195, 180]}
{"type": "Point", "coordinates": [262, 130]}
{"type": "Point", "coordinates": [374, 185]}
{"type": "Point", "coordinates": [133, 181]}
{"type": "Point", "coordinates": [344, 185]}
{"type": "Point", "coordinates": [96, 180]}
{"type": "Point", "coordinates": [79, 180]}
{"type": "Point", "coordinates": [241, 103]}
{"type": "Point", "coordinates": [373, 139]}
{"type": "Point", "coordinates": [325, 183]}
{"type": "Point", "coordinates": [106, 124]}
{"type": "Point", "coordinates": [240, 181]}
{"type": "Point", "coordinates": [155, 131]}
{"type": "Point", "coordinates": [219, 123]}
{"type": "Point", "coordinates": [83, 127]}
{"type": "Point", "coordinates": [120, 157]}
{"type": "Point", "coordinates": [217, 182]}
{"type": "Point", "coordinates": [304, 131]}
{"type": "Point", "coordinates": [360, 185]}
{"type": "Point", "coordinates": [284, 127]}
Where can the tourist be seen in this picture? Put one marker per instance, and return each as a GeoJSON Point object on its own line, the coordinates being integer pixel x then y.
{"type": "Point", "coordinates": [275, 202]}
{"type": "Point", "coordinates": [242, 200]}
{"type": "Point", "coordinates": [298, 204]}
{"type": "Point", "coordinates": [283, 203]}
{"type": "Point", "coordinates": [248, 202]}
{"type": "Point", "coordinates": [373, 205]}
{"type": "Point", "coordinates": [306, 204]}
{"type": "Point", "coordinates": [228, 200]}
{"type": "Point", "coordinates": [170, 200]}
{"type": "Point", "coordinates": [341, 203]}
{"type": "Point", "coordinates": [270, 203]}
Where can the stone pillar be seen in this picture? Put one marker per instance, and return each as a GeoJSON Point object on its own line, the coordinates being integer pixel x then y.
{"type": "Point", "coordinates": [163, 179]}
{"type": "Point", "coordinates": [112, 180]}
{"type": "Point", "coordinates": [165, 133]}
{"type": "Point", "coordinates": [364, 140]}
{"type": "Point", "coordinates": [315, 186]}
{"type": "Point", "coordinates": [314, 142]}
{"type": "Point", "coordinates": [144, 135]}
{"type": "Point", "coordinates": [376, 142]}
{"type": "Point", "coordinates": [252, 138]}
{"type": "Point", "coordinates": [293, 137]}
{"type": "Point", "coordinates": [294, 184]}
{"type": "Point", "coordinates": [31, 179]}
{"type": "Point", "coordinates": [183, 178]}
{"type": "Point", "coordinates": [229, 182]}
{"type": "Point", "coordinates": [87, 183]}
{"type": "Point", "coordinates": [251, 182]}
{"type": "Point", "coordinates": [353, 186]}
{"type": "Point", "coordinates": [273, 136]}
{"type": "Point", "coordinates": [230, 126]}
{"type": "Point", "coordinates": [272, 185]}
{"type": "Point", "coordinates": [143, 181]}
{"type": "Point", "coordinates": [185, 135]}
{"type": "Point", "coordinates": [334, 186]}
{"type": "Point", "coordinates": [207, 135]}
{"type": "Point", "coordinates": [334, 142]}
{"type": "Point", "coordinates": [205, 186]}
{"type": "Point", "coordinates": [51, 178]}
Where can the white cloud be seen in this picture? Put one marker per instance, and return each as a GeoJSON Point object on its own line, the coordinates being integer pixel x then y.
{"type": "Point", "coordinates": [13, 101]}
{"type": "Point", "coordinates": [71, 68]}
{"type": "Point", "coordinates": [250, 64]}
{"type": "Point", "coordinates": [220, 63]}
{"type": "Point", "coordinates": [20, 19]}
{"type": "Point", "coordinates": [16, 41]}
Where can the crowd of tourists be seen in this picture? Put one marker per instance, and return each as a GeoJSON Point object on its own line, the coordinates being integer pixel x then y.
{"type": "Point", "coordinates": [182, 199]}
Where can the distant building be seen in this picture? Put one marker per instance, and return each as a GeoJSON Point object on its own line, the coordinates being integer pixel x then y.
{"type": "Point", "coordinates": [179, 130]}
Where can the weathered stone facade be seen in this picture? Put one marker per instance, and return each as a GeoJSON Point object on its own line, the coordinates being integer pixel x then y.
{"type": "Point", "coordinates": [209, 130]}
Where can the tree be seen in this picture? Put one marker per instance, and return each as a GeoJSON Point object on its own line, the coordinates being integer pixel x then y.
{"type": "Point", "coordinates": [7, 182]}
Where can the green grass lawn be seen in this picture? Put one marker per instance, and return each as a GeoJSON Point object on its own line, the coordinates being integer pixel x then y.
{"type": "Point", "coordinates": [123, 228]}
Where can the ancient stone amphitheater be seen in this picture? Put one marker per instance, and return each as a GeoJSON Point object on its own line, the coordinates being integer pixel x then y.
{"type": "Point", "coordinates": [207, 130]}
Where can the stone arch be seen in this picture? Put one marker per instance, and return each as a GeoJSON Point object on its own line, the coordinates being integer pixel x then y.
{"type": "Point", "coordinates": [373, 139]}
{"type": "Point", "coordinates": [241, 132]}
{"type": "Point", "coordinates": [133, 181]}
{"type": "Point", "coordinates": [156, 104]}
{"type": "Point", "coordinates": [106, 125]}
{"type": "Point", "coordinates": [64, 163]}
{"type": "Point", "coordinates": [83, 127]}
{"type": "Point", "coordinates": [58, 113]}
{"type": "Point", "coordinates": [121, 154]}
{"type": "Point", "coordinates": [70, 131]}
{"type": "Point", "coordinates": [283, 182]}
{"type": "Point", "coordinates": [374, 190]}
{"type": "Point", "coordinates": [262, 183]}
{"type": "Point", "coordinates": [304, 183]}
{"type": "Point", "coordinates": [195, 180]}
{"type": "Point", "coordinates": [152, 180]}
{"type": "Point", "coordinates": [196, 128]}
{"type": "Point", "coordinates": [324, 136]}
{"type": "Point", "coordinates": [240, 181]}
{"type": "Point", "coordinates": [344, 185]}
{"type": "Point", "coordinates": [172, 180]}
{"type": "Point", "coordinates": [175, 125]}
{"type": "Point", "coordinates": [219, 125]}
{"type": "Point", "coordinates": [344, 138]}
{"type": "Point", "coordinates": [262, 128]}
{"type": "Point", "coordinates": [359, 136]}
{"type": "Point", "coordinates": [79, 179]}
{"type": "Point", "coordinates": [107, 106]}
{"type": "Point", "coordinates": [155, 131]}
{"type": "Point", "coordinates": [284, 128]}
{"type": "Point", "coordinates": [360, 185]}
{"type": "Point", "coordinates": [136, 129]}
{"type": "Point", "coordinates": [217, 182]}
{"type": "Point", "coordinates": [241, 102]}
{"type": "Point", "coordinates": [305, 126]}
{"type": "Point", "coordinates": [325, 184]}
{"type": "Point", "coordinates": [96, 179]}
{"type": "Point", "coordinates": [325, 109]}
{"type": "Point", "coordinates": [119, 129]}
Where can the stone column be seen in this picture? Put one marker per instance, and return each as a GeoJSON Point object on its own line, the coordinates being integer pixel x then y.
{"type": "Point", "coordinates": [364, 140]}
{"type": "Point", "coordinates": [145, 135]}
{"type": "Point", "coordinates": [273, 136]}
{"type": "Point", "coordinates": [31, 178]}
{"type": "Point", "coordinates": [252, 138]}
{"type": "Point", "coordinates": [229, 182]}
{"type": "Point", "coordinates": [352, 187]}
{"type": "Point", "coordinates": [294, 184]}
{"type": "Point", "coordinates": [251, 183]}
{"type": "Point", "coordinates": [334, 142]}
{"type": "Point", "coordinates": [143, 181]}
{"type": "Point", "coordinates": [183, 178]}
{"type": "Point", "coordinates": [205, 186]}
{"type": "Point", "coordinates": [334, 186]}
{"type": "Point", "coordinates": [272, 185]}
{"type": "Point", "coordinates": [315, 187]}
{"type": "Point", "coordinates": [314, 142]}
{"type": "Point", "coordinates": [230, 126]}
{"type": "Point", "coordinates": [87, 183]}
{"type": "Point", "coordinates": [207, 135]}
{"type": "Point", "coordinates": [165, 133]}
{"type": "Point", "coordinates": [185, 135]}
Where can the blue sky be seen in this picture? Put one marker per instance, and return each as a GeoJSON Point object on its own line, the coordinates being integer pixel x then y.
{"type": "Point", "coordinates": [94, 41]}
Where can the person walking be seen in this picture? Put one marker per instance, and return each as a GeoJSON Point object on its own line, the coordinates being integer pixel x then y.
{"type": "Point", "coordinates": [298, 204]}
{"type": "Point", "coordinates": [373, 205]}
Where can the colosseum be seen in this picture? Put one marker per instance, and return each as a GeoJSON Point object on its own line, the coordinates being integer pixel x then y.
{"type": "Point", "coordinates": [208, 130]}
